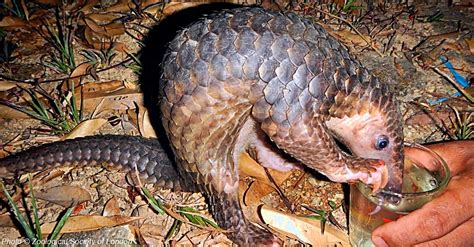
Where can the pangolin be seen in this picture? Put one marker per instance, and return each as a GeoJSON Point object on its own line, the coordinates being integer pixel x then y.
{"type": "Point", "coordinates": [252, 79]}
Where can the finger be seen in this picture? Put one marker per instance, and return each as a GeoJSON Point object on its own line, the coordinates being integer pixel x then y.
{"type": "Point", "coordinates": [460, 237]}
{"type": "Point", "coordinates": [435, 219]}
{"type": "Point", "coordinates": [457, 154]}
{"type": "Point", "coordinates": [421, 157]}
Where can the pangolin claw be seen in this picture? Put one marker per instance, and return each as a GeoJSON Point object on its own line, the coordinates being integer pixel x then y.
{"type": "Point", "coordinates": [381, 173]}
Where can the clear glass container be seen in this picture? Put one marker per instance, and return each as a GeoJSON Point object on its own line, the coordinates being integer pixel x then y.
{"type": "Point", "coordinates": [421, 183]}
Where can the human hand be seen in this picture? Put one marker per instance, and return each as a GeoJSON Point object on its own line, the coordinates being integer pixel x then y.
{"type": "Point", "coordinates": [448, 220]}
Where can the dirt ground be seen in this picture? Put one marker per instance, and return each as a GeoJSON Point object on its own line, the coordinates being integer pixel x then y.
{"type": "Point", "coordinates": [402, 45]}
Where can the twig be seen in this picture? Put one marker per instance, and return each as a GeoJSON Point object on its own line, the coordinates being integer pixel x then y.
{"type": "Point", "coordinates": [369, 41]}
{"type": "Point", "coordinates": [285, 199]}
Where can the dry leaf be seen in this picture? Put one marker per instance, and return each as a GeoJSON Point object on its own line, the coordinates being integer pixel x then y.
{"type": "Point", "coordinates": [154, 10]}
{"type": "Point", "coordinates": [153, 230]}
{"type": "Point", "coordinates": [122, 6]}
{"type": "Point", "coordinates": [12, 22]}
{"type": "Point", "coordinates": [80, 71]}
{"type": "Point", "coordinates": [173, 7]}
{"type": "Point", "coordinates": [470, 43]}
{"type": "Point", "coordinates": [6, 85]}
{"type": "Point", "coordinates": [111, 208]}
{"type": "Point", "coordinates": [103, 18]}
{"type": "Point", "coordinates": [305, 229]}
{"type": "Point", "coordinates": [109, 30]}
{"type": "Point", "coordinates": [96, 41]}
{"type": "Point", "coordinates": [6, 220]}
{"type": "Point", "coordinates": [348, 37]}
{"type": "Point", "coordinates": [122, 99]}
{"type": "Point", "coordinates": [10, 113]}
{"type": "Point", "coordinates": [48, 2]}
{"type": "Point", "coordinates": [89, 88]}
{"type": "Point", "coordinates": [65, 196]}
{"type": "Point", "coordinates": [120, 47]}
{"type": "Point", "coordinates": [251, 168]}
{"type": "Point", "coordinates": [88, 223]}
{"type": "Point", "coordinates": [89, 6]}
{"type": "Point", "coordinates": [85, 128]}
{"type": "Point", "coordinates": [144, 125]}
{"type": "Point", "coordinates": [251, 196]}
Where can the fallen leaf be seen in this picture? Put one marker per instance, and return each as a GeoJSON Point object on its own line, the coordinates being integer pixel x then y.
{"type": "Point", "coordinates": [173, 7]}
{"type": "Point", "coordinates": [88, 223]}
{"type": "Point", "coordinates": [104, 18]}
{"type": "Point", "coordinates": [153, 230]}
{"type": "Point", "coordinates": [6, 85]}
{"type": "Point", "coordinates": [111, 208]}
{"type": "Point", "coordinates": [121, 6]}
{"type": "Point", "coordinates": [122, 99]}
{"type": "Point", "coordinates": [6, 220]}
{"type": "Point", "coordinates": [305, 229]}
{"type": "Point", "coordinates": [262, 186]}
{"type": "Point", "coordinates": [153, 7]}
{"type": "Point", "coordinates": [12, 22]}
{"type": "Point", "coordinates": [470, 43]}
{"type": "Point", "coordinates": [109, 30]}
{"type": "Point", "coordinates": [65, 195]}
{"type": "Point", "coordinates": [88, 88]}
{"type": "Point", "coordinates": [251, 168]}
{"type": "Point", "coordinates": [48, 2]}
{"type": "Point", "coordinates": [120, 47]}
{"type": "Point", "coordinates": [89, 6]}
{"type": "Point", "coordinates": [144, 125]}
{"type": "Point", "coordinates": [80, 71]}
{"type": "Point", "coordinates": [85, 128]}
{"type": "Point", "coordinates": [348, 37]}
{"type": "Point", "coordinates": [423, 118]}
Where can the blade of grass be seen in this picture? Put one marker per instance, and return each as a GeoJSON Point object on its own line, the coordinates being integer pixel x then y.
{"type": "Point", "coordinates": [75, 115]}
{"type": "Point", "coordinates": [194, 216]}
{"type": "Point", "coordinates": [39, 235]}
{"type": "Point", "coordinates": [156, 205]}
{"type": "Point", "coordinates": [60, 225]}
{"type": "Point", "coordinates": [36, 104]}
{"type": "Point", "coordinates": [16, 211]}
{"type": "Point", "coordinates": [173, 230]}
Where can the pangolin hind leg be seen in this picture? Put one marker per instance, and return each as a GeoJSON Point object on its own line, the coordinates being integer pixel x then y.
{"type": "Point", "coordinates": [205, 142]}
{"type": "Point", "coordinates": [227, 212]}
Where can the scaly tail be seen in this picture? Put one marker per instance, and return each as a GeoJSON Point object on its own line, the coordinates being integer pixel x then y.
{"type": "Point", "coordinates": [126, 153]}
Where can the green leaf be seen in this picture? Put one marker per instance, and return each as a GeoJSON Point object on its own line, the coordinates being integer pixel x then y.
{"type": "Point", "coordinates": [173, 230]}
{"type": "Point", "coordinates": [323, 225]}
{"type": "Point", "coordinates": [16, 211]}
{"type": "Point", "coordinates": [156, 205]}
{"type": "Point", "coordinates": [316, 217]}
{"type": "Point", "coordinates": [332, 204]}
{"type": "Point", "coordinates": [39, 235]}
{"type": "Point", "coordinates": [60, 225]}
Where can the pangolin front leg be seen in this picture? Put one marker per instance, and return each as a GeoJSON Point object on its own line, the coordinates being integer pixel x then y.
{"type": "Point", "coordinates": [309, 141]}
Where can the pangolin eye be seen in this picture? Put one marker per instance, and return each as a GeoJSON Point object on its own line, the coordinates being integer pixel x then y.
{"type": "Point", "coordinates": [382, 142]}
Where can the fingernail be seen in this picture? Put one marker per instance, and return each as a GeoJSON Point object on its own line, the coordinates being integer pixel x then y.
{"type": "Point", "coordinates": [379, 242]}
